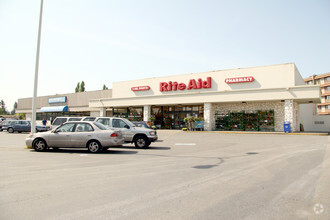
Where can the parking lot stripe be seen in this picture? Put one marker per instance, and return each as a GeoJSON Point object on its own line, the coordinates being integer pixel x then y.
{"type": "Point", "coordinates": [185, 144]}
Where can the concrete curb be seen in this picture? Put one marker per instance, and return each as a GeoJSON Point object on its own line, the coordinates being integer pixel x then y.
{"type": "Point", "coordinates": [248, 132]}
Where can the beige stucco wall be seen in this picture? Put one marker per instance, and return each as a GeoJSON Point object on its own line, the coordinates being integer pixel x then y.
{"type": "Point", "coordinates": [275, 82]}
{"type": "Point", "coordinates": [75, 101]}
{"type": "Point", "coordinates": [266, 77]}
{"type": "Point", "coordinates": [299, 80]}
{"type": "Point", "coordinates": [312, 121]}
{"type": "Point", "coordinates": [299, 94]}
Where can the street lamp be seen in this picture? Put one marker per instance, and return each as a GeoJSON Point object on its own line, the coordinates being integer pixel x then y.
{"type": "Point", "coordinates": [34, 99]}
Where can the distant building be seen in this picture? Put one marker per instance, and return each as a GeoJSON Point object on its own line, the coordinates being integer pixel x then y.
{"type": "Point", "coordinates": [319, 112]}
{"type": "Point", "coordinates": [323, 81]}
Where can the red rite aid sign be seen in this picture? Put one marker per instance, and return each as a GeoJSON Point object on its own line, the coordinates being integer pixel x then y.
{"type": "Point", "coordinates": [239, 79]}
{"type": "Point", "coordinates": [140, 88]}
{"type": "Point", "coordinates": [193, 84]}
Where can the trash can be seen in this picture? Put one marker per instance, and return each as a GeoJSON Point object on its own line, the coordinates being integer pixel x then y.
{"type": "Point", "coordinates": [287, 128]}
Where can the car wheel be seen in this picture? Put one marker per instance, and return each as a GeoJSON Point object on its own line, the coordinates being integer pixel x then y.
{"type": "Point", "coordinates": [141, 142]}
{"type": "Point", "coordinates": [40, 145]}
{"type": "Point", "coordinates": [94, 146]}
{"type": "Point", "coordinates": [11, 130]}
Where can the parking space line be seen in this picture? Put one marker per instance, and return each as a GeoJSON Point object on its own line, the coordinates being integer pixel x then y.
{"type": "Point", "coordinates": [185, 144]}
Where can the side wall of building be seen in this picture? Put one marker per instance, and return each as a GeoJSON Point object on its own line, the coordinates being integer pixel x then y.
{"type": "Point", "coordinates": [312, 121]}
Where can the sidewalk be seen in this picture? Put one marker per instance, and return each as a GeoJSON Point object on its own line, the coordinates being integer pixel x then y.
{"type": "Point", "coordinates": [169, 132]}
{"type": "Point", "coordinates": [260, 132]}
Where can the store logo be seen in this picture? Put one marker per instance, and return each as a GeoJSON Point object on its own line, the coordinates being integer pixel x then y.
{"type": "Point", "coordinates": [193, 84]}
{"type": "Point", "coordinates": [140, 88]}
{"type": "Point", "coordinates": [239, 79]}
{"type": "Point", "coordinates": [57, 99]}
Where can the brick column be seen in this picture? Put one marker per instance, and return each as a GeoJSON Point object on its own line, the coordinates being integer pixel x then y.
{"type": "Point", "coordinates": [290, 113]}
{"type": "Point", "coordinates": [103, 112]}
{"type": "Point", "coordinates": [146, 112]}
{"type": "Point", "coordinates": [209, 121]}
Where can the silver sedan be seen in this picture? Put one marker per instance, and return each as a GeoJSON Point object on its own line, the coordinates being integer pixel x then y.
{"type": "Point", "coordinates": [81, 134]}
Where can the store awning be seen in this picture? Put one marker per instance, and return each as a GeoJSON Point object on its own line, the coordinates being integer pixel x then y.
{"type": "Point", "coordinates": [54, 109]}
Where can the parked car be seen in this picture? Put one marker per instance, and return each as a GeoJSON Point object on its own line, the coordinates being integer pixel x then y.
{"type": "Point", "coordinates": [6, 123]}
{"type": "Point", "coordinates": [61, 120]}
{"type": "Point", "coordinates": [141, 124]}
{"type": "Point", "coordinates": [22, 126]}
{"type": "Point", "coordinates": [76, 134]}
{"type": "Point", "coordinates": [140, 136]}
{"type": "Point", "coordinates": [3, 124]}
{"type": "Point", "coordinates": [89, 118]}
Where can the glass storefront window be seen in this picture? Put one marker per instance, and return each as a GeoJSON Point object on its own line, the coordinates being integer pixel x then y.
{"type": "Point", "coordinates": [172, 117]}
{"type": "Point", "coordinates": [135, 114]}
{"type": "Point", "coordinates": [259, 120]}
{"type": "Point", "coordinates": [131, 113]}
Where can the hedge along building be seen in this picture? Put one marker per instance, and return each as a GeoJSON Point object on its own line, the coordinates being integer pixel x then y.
{"type": "Point", "coordinates": [258, 99]}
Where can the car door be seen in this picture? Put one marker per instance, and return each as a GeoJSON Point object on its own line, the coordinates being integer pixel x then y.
{"type": "Point", "coordinates": [119, 124]}
{"type": "Point", "coordinates": [25, 126]}
{"type": "Point", "coordinates": [17, 125]}
{"type": "Point", "coordinates": [82, 134]}
{"type": "Point", "coordinates": [105, 121]}
{"type": "Point", "coordinates": [61, 137]}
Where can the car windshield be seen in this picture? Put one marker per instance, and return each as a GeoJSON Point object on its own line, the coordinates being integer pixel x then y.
{"type": "Point", "coordinates": [100, 126]}
{"type": "Point", "coordinates": [90, 119]}
{"type": "Point", "coordinates": [74, 119]}
{"type": "Point", "coordinates": [129, 122]}
{"type": "Point", "coordinates": [66, 128]}
{"type": "Point", "coordinates": [59, 121]}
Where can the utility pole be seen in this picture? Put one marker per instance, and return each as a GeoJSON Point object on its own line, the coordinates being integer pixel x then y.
{"type": "Point", "coordinates": [34, 99]}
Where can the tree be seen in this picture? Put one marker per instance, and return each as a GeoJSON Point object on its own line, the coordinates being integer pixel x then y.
{"type": "Point", "coordinates": [14, 110]}
{"type": "Point", "coordinates": [105, 87]}
{"type": "Point", "coordinates": [3, 110]}
{"type": "Point", "coordinates": [82, 86]}
{"type": "Point", "coordinates": [78, 87]}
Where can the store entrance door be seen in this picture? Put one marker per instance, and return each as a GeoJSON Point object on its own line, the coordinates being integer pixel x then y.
{"type": "Point", "coordinates": [177, 121]}
{"type": "Point", "coordinates": [172, 117]}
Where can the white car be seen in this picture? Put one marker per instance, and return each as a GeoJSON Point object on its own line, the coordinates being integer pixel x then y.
{"type": "Point", "coordinates": [140, 136]}
{"type": "Point", "coordinates": [61, 120]}
{"type": "Point", "coordinates": [79, 134]}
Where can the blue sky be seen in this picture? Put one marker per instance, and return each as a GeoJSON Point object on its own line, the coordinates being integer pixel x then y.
{"type": "Point", "coordinates": [105, 41]}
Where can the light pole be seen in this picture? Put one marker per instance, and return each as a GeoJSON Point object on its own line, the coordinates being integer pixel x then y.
{"type": "Point", "coordinates": [34, 99]}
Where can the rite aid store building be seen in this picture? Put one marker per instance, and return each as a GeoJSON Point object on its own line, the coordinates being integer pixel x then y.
{"type": "Point", "coordinates": [248, 99]}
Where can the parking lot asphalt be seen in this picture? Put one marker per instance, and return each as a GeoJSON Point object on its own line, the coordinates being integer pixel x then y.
{"type": "Point", "coordinates": [186, 175]}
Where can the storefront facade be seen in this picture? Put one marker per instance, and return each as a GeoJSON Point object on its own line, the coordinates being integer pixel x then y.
{"type": "Point", "coordinates": [70, 104]}
{"type": "Point", "coordinates": [246, 99]}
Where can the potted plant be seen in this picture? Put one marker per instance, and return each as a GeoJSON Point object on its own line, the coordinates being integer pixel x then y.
{"type": "Point", "coordinates": [189, 122]}
{"type": "Point", "coordinates": [199, 124]}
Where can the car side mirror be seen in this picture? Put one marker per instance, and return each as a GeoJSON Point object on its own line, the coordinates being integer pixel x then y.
{"type": "Point", "coordinates": [126, 126]}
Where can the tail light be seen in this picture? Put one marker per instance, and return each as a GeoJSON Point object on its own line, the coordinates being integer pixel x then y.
{"type": "Point", "coordinates": [114, 135]}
